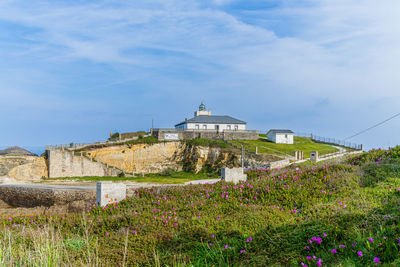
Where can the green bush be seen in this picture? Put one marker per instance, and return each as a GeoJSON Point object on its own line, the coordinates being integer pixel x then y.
{"type": "Point", "coordinates": [115, 136]}
{"type": "Point", "coordinates": [167, 172]}
{"type": "Point", "coordinates": [374, 173]}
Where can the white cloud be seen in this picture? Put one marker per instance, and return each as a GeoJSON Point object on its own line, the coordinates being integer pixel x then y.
{"type": "Point", "coordinates": [345, 51]}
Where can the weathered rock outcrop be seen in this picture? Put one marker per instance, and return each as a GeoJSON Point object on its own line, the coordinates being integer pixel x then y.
{"type": "Point", "coordinates": [23, 168]}
{"type": "Point", "coordinates": [144, 158]}
{"type": "Point", "coordinates": [28, 195]}
{"type": "Point", "coordinates": [28, 199]}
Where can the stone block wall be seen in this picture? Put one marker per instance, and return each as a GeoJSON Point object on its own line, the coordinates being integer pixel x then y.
{"type": "Point", "coordinates": [63, 163]}
{"type": "Point", "coordinates": [279, 164]}
{"type": "Point", "coordinates": [209, 134]}
{"type": "Point", "coordinates": [124, 136]}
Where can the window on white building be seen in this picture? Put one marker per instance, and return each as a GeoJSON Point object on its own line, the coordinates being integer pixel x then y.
{"type": "Point", "coordinates": [205, 127]}
{"type": "Point", "coordinates": [197, 126]}
{"type": "Point", "coordinates": [228, 127]}
{"type": "Point", "coordinates": [236, 127]}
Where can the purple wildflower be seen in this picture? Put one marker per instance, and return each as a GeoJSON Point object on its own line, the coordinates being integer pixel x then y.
{"type": "Point", "coordinates": [333, 251]}
{"type": "Point", "coordinates": [360, 254]}
{"type": "Point", "coordinates": [376, 260]}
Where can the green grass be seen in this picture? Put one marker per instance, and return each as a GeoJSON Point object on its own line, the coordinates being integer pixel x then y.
{"type": "Point", "coordinates": [206, 142]}
{"type": "Point", "coordinates": [154, 178]}
{"type": "Point", "coordinates": [145, 140]}
{"type": "Point", "coordinates": [300, 144]}
{"type": "Point", "coordinates": [271, 220]}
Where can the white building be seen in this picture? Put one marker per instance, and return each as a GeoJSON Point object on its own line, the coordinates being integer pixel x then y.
{"type": "Point", "coordinates": [280, 136]}
{"type": "Point", "coordinates": [203, 120]}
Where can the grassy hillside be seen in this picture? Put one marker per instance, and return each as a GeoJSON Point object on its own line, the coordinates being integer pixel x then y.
{"type": "Point", "coordinates": [337, 215]}
{"type": "Point", "coordinates": [300, 143]}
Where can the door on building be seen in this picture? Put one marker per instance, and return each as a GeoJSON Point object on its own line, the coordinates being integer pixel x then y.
{"type": "Point", "coordinates": [217, 128]}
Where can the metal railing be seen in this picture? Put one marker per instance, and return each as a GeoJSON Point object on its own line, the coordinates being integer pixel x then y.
{"type": "Point", "coordinates": [330, 141]}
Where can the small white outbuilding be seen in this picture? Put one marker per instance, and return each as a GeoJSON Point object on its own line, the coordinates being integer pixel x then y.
{"type": "Point", "coordinates": [280, 136]}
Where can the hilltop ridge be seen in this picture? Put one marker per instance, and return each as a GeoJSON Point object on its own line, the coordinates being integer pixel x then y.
{"type": "Point", "coordinates": [16, 150]}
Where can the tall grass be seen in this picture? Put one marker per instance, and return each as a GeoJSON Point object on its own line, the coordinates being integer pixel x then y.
{"type": "Point", "coordinates": [32, 246]}
{"type": "Point", "coordinates": [274, 219]}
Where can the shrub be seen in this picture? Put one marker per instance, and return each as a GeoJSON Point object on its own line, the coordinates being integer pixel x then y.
{"type": "Point", "coordinates": [114, 136]}
{"type": "Point", "coordinates": [168, 172]}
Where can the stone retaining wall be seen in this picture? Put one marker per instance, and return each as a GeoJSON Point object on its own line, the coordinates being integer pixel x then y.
{"type": "Point", "coordinates": [279, 164]}
{"type": "Point", "coordinates": [210, 134]}
{"type": "Point", "coordinates": [63, 163]}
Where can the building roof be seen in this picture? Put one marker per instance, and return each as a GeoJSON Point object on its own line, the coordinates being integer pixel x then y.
{"type": "Point", "coordinates": [282, 131]}
{"type": "Point", "coordinates": [212, 119]}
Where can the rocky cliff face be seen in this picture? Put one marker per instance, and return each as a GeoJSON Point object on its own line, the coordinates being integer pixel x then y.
{"type": "Point", "coordinates": [144, 158]}
{"type": "Point", "coordinates": [22, 168]}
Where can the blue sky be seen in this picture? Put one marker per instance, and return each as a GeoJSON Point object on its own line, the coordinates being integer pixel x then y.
{"type": "Point", "coordinates": [73, 72]}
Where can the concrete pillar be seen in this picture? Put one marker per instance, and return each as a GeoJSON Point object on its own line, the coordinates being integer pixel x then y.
{"type": "Point", "coordinates": [314, 155]}
{"type": "Point", "coordinates": [234, 175]}
{"type": "Point", "coordinates": [108, 193]}
{"type": "Point", "coordinates": [256, 149]}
